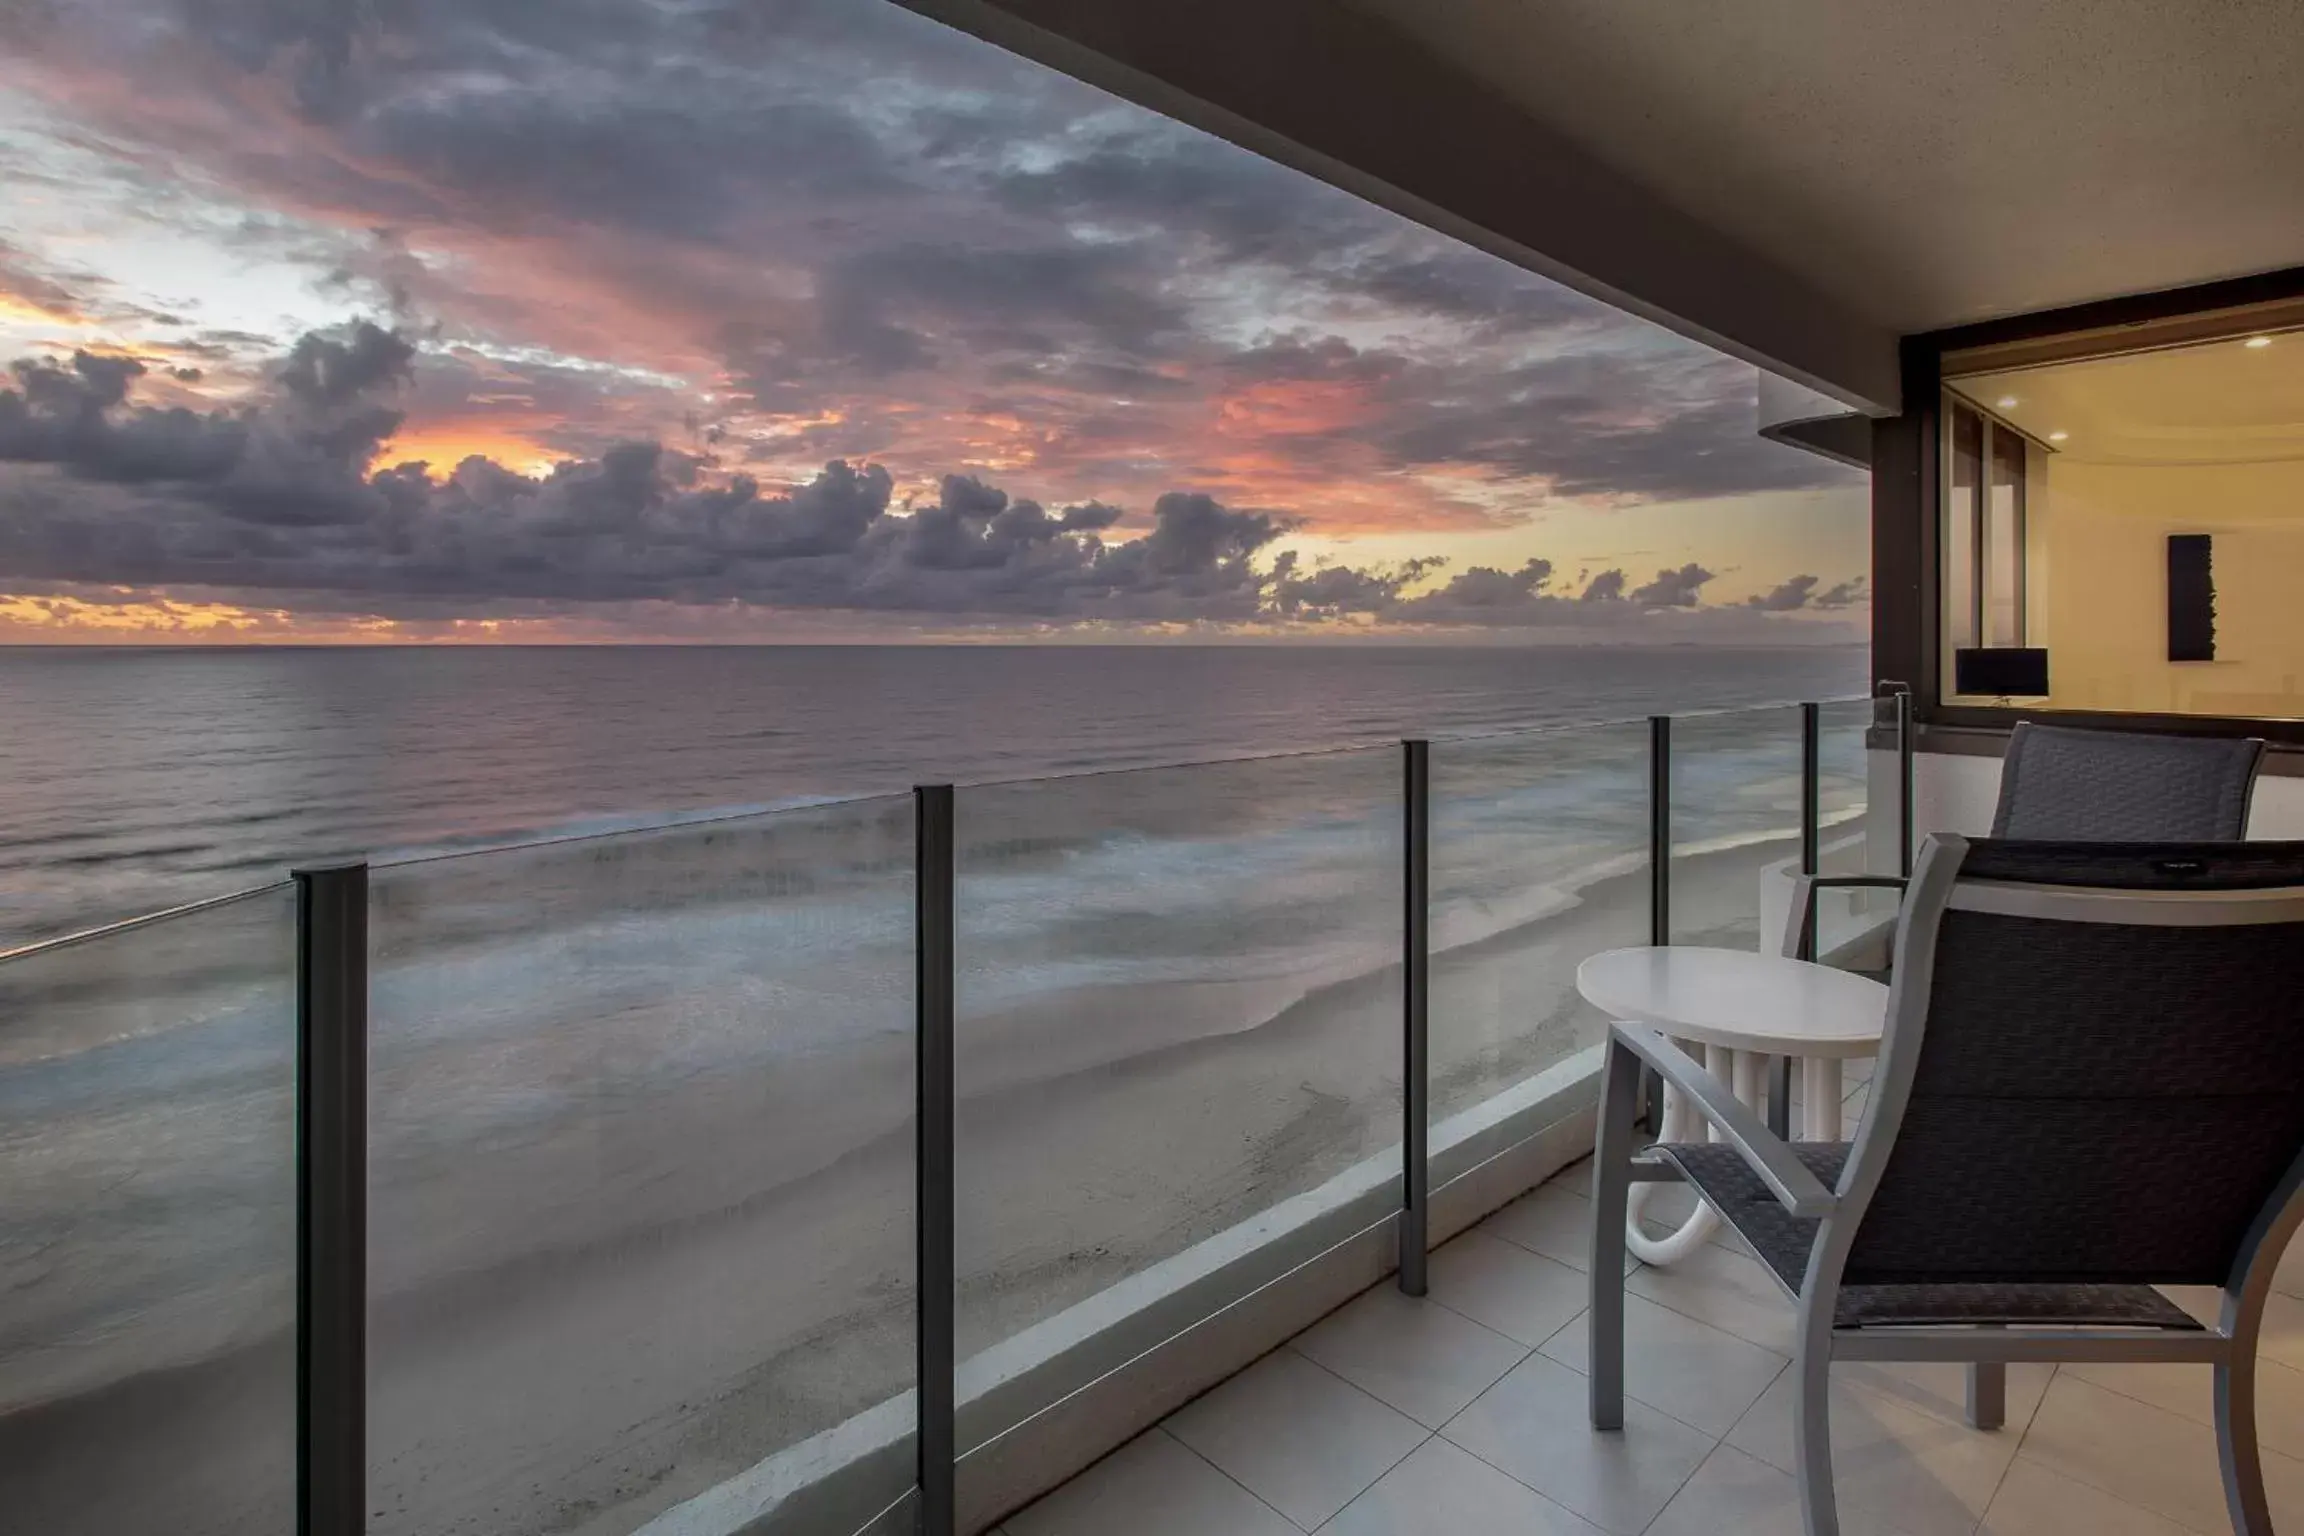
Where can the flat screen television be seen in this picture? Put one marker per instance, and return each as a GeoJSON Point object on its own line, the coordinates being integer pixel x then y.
{"type": "Point", "coordinates": [2001, 671]}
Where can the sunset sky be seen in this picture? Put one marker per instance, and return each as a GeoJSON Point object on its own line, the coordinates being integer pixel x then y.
{"type": "Point", "coordinates": [804, 319]}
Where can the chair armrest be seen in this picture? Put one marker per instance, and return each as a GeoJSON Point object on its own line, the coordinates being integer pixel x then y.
{"type": "Point", "coordinates": [1788, 1179]}
{"type": "Point", "coordinates": [1801, 919]}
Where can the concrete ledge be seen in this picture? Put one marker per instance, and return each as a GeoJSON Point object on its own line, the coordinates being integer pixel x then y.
{"type": "Point", "coordinates": [1492, 1154]}
{"type": "Point", "coordinates": [1069, 1435]}
{"type": "Point", "coordinates": [1043, 1405]}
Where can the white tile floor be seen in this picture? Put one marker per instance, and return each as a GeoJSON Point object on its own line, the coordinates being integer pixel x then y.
{"type": "Point", "coordinates": [1464, 1415]}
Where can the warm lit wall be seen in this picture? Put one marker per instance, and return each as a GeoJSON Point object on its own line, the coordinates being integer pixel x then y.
{"type": "Point", "coordinates": [2098, 554]}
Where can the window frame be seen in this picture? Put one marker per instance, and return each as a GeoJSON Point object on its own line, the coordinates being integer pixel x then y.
{"type": "Point", "coordinates": [1911, 474]}
{"type": "Point", "coordinates": [1969, 629]}
{"type": "Point", "coordinates": [1999, 437]}
{"type": "Point", "coordinates": [1985, 521]}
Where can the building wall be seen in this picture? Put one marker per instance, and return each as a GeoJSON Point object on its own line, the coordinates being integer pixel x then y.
{"type": "Point", "coordinates": [2098, 554]}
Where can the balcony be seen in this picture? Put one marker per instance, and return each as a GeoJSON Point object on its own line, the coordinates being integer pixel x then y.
{"type": "Point", "coordinates": [623, 1161]}
{"type": "Point", "coordinates": [611, 1185]}
{"type": "Point", "coordinates": [1465, 1412]}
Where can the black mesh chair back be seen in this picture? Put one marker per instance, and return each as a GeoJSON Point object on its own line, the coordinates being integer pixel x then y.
{"type": "Point", "coordinates": [2096, 1101]}
{"type": "Point", "coordinates": [2120, 786]}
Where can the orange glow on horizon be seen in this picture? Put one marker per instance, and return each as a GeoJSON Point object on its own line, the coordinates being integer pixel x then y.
{"type": "Point", "coordinates": [152, 618]}
{"type": "Point", "coordinates": [135, 615]}
{"type": "Point", "coordinates": [442, 445]}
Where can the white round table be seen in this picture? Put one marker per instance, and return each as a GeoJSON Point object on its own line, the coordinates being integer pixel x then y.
{"type": "Point", "coordinates": [1742, 1008]}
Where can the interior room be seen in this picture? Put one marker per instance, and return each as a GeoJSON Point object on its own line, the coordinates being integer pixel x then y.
{"type": "Point", "coordinates": [2131, 504]}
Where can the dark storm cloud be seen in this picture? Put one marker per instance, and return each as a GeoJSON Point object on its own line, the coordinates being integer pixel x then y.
{"type": "Point", "coordinates": [686, 164]}
{"type": "Point", "coordinates": [1118, 379]}
{"type": "Point", "coordinates": [276, 497]}
{"type": "Point", "coordinates": [602, 216]}
{"type": "Point", "coordinates": [295, 459]}
{"type": "Point", "coordinates": [880, 309]}
{"type": "Point", "coordinates": [1786, 597]}
{"type": "Point", "coordinates": [716, 123]}
{"type": "Point", "coordinates": [1181, 188]}
{"type": "Point", "coordinates": [989, 223]}
{"type": "Point", "coordinates": [1486, 597]}
{"type": "Point", "coordinates": [62, 413]}
{"type": "Point", "coordinates": [1672, 589]}
{"type": "Point", "coordinates": [1327, 359]}
{"type": "Point", "coordinates": [972, 526]}
{"type": "Point", "coordinates": [1798, 592]}
{"type": "Point", "coordinates": [1674, 426]}
{"type": "Point", "coordinates": [326, 373]}
{"type": "Point", "coordinates": [1607, 587]}
{"type": "Point", "coordinates": [1168, 181]}
{"type": "Point", "coordinates": [1334, 591]}
{"type": "Point", "coordinates": [1486, 587]}
{"type": "Point", "coordinates": [1437, 277]}
{"type": "Point", "coordinates": [887, 322]}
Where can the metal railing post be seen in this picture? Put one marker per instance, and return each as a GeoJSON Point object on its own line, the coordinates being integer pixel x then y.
{"type": "Point", "coordinates": [1659, 829]}
{"type": "Point", "coordinates": [331, 1200]}
{"type": "Point", "coordinates": [1659, 880]}
{"type": "Point", "coordinates": [1811, 788]}
{"type": "Point", "coordinates": [1811, 861]}
{"type": "Point", "coordinates": [1903, 781]}
{"type": "Point", "coordinates": [1415, 1011]}
{"type": "Point", "coordinates": [933, 1171]}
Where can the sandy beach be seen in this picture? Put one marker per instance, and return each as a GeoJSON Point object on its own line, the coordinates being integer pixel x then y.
{"type": "Point", "coordinates": [730, 1271]}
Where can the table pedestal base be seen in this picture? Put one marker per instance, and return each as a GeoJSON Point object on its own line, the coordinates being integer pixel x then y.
{"type": "Point", "coordinates": [1746, 1074]}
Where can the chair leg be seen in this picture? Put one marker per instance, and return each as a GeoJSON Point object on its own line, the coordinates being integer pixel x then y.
{"type": "Point", "coordinates": [2236, 1441]}
{"type": "Point", "coordinates": [1987, 1394]}
{"type": "Point", "coordinates": [1812, 1440]}
{"type": "Point", "coordinates": [1611, 1199]}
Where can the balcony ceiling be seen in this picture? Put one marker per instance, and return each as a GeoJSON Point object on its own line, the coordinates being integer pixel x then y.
{"type": "Point", "coordinates": [1930, 164]}
{"type": "Point", "coordinates": [1796, 181]}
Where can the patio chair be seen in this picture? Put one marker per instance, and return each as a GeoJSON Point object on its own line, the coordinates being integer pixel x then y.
{"type": "Point", "coordinates": [2057, 783]}
{"type": "Point", "coordinates": [2092, 1084]}
{"type": "Point", "coordinates": [2060, 784]}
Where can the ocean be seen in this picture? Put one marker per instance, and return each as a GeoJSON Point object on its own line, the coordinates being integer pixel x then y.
{"type": "Point", "coordinates": [640, 1104]}
{"type": "Point", "coordinates": [132, 780]}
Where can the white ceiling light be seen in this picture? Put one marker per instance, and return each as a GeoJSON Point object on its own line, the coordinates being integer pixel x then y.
{"type": "Point", "coordinates": [2057, 437]}
{"type": "Point", "coordinates": [2257, 341]}
{"type": "Point", "coordinates": [2007, 402]}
